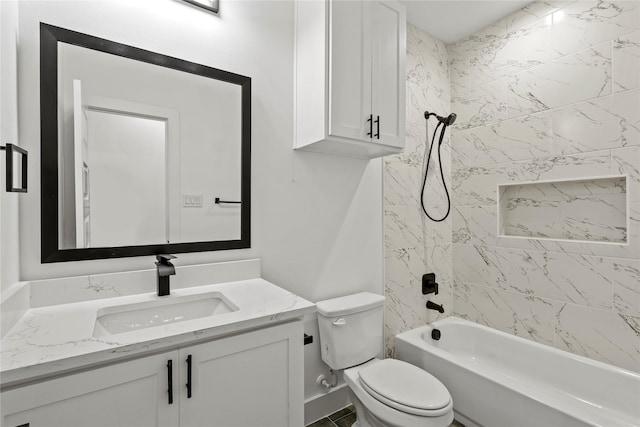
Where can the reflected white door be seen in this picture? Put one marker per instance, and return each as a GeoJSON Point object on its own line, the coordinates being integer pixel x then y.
{"type": "Point", "coordinates": [127, 179]}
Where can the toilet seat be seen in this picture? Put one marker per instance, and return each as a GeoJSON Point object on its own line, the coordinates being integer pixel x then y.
{"type": "Point", "coordinates": [405, 388]}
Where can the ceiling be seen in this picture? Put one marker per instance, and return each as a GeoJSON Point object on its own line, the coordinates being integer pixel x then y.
{"type": "Point", "coordinates": [452, 20]}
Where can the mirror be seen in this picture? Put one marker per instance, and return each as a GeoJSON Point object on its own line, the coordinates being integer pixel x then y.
{"type": "Point", "coordinates": [142, 153]}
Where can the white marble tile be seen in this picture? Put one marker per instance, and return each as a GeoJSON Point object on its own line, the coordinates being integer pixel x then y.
{"type": "Point", "coordinates": [533, 12]}
{"type": "Point", "coordinates": [518, 50]}
{"type": "Point", "coordinates": [530, 217]}
{"type": "Point", "coordinates": [567, 190]}
{"type": "Point", "coordinates": [626, 62]}
{"type": "Point", "coordinates": [476, 225]}
{"type": "Point", "coordinates": [522, 138]}
{"type": "Point", "coordinates": [583, 24]}
{"type": "Point", "coordinates": [437, 233]}
{"type": "Point", "coordinates": [477, 185]}
{"type": "Point", "coordinates": [404, 268]}
{"type": "Point", "coordinates": [435, 191]}
{"type": "Point", "coordinates": [580, 279]}
{"type": "Point", "coordinates": [574, 78]}
{"type": "Point", "coordinates": [603, 123]}
{"type": "Point", "coordinates": [481, 105]}
{"type": "Point", "coordinates": [523, 315]}
{"type": "Point", "coordinates": [477, 264]}
{"type": "Point", "coordinates": [630, 250]}
{"type": "Point", "coordinates": [626, 286]}
{"type": "Point", "coordinates": [626, 161]}
{"type": "Point", "coordinates": [601, 218]}
{"type": "Point", "coordinates": [401, 184]}
{"type": "Point", "coordinates": [572, 166]}
{"type": "Point", "coordinates": [599, 334]}
{"type": "Point", "coordinates": [427, 70]}
{"type": "Point", "coordinates": [458, 71]}
{"type": "Point", "coordinates": [402, 227]}
{"type": "Point", "coordinates": [577, 210]}
{"type": "Point", "coordinates": [404, 306]}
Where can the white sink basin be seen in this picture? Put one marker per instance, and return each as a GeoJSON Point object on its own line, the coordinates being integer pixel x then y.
{"type": "Point", "coordinates": [164, 311]}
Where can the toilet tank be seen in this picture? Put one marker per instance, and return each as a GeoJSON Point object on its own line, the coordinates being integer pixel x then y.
{"type": "Point", "coordinates": [351, 329]}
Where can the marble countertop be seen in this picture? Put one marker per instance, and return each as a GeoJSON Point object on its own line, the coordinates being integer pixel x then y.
{"type": "Point", "coordinates": [58, 339]}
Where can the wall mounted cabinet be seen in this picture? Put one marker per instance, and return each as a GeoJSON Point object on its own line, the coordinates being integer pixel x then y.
{"type": "Point", "coordinates": [260, 370]}
{"type": "Point", "coordinates": [350, 77]}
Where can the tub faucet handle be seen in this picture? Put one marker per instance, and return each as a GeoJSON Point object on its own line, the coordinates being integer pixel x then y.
{"type": "Point", "coordinates": [429, 285]}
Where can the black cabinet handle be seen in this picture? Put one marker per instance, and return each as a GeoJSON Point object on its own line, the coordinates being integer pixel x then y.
{"type": "Point", "coordinates": [189, 377]}
{"type": "Point", "coordinates": [370, 120]}
{"type": "Point", "coordinates": [170, 380]}
{"type": "Point", "coordinates": [378, 123]}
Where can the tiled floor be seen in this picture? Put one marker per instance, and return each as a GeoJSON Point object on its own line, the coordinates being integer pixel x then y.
{"type": "Point", "coordinates": [346, 417]}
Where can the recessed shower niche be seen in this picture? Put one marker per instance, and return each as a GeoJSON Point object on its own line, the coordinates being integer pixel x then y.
{"type": "Point", "coordinates": [582, 209]}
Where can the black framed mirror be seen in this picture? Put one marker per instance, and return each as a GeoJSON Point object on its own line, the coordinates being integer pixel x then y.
{"type": "Point", "coordinates": [141, 153]}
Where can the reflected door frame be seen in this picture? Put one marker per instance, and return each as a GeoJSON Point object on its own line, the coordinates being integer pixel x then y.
{"type": "Point", "coordinates": [172, 149]}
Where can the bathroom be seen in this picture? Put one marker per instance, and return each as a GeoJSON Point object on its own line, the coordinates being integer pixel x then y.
{"type": "Point", "coordinates": [546, 91]}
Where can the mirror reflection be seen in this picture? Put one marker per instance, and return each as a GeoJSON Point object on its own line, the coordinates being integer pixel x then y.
{"type": "Point", "coordinates": [146, 144]}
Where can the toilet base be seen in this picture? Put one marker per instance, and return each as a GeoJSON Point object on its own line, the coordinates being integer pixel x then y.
{"type": "Point", "coordinates": [363, 417]}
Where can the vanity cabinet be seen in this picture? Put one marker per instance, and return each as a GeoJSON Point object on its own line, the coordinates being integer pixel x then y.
{"type": "Point", "coordinates": [132, 393]}
{"type": "Point", "coordinates": [250, 379]}
{"type": "Point", "coordinates": [350, 77]}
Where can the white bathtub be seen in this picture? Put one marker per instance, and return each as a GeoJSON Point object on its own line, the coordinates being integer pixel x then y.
{"type": "Point", "coordinates": [500, 380]}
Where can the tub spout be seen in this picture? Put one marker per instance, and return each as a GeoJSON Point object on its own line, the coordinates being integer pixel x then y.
{"type": "Point", "coordinates": [434, 306]}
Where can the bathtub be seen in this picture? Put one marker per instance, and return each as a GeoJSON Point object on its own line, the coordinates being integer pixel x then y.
{"type": "Point", "coordinates": [500, 380]}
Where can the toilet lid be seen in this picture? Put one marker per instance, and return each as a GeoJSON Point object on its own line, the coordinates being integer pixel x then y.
{"type": "Point", "coordinates": [404, 387]}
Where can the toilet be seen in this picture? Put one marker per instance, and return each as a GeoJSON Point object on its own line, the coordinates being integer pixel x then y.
{"type": "Point", "coordinates": [385, 392]}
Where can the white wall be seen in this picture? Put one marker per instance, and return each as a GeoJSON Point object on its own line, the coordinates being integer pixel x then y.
{"type": "Point", "coordinates": [9, 242]}
{"type": "Point", "coordinates": [316, 219]}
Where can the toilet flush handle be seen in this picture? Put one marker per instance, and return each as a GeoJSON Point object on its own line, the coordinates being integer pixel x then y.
{"type": "Point", "coordinates": [340, 322]}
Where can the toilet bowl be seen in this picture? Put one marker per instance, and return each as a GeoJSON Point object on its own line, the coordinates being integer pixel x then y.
{"type": "Point", "coordinates": [387, 392]}
{"type": "Point", "coordinates": [392, 393]}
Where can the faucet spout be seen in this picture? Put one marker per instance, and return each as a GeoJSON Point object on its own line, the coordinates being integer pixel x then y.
{"type": "Point", "coordinates": [434, 306]}
{"type": "Point", "coordinates": [164, 270]}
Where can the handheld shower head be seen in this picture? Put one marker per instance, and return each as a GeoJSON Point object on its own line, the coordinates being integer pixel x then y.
{"type": "Point", "coordinates": [447, 121]}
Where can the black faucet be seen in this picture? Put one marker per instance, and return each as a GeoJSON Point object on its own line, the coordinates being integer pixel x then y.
{"type": "Point", "coordinates": [434, 306]}
{"type": "Point", "coordinates": [165, 269]}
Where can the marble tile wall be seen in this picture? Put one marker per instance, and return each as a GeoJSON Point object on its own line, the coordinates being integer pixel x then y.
{"type": "Point", "coordinates": [590, 210]}
{"type": "Point", "coordinates": [415, 245]}
{"type": "Point", "coordinates": [550, 92]}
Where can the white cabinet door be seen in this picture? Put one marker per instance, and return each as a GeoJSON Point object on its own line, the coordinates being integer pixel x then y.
{"type": "Point", "coordinates": [350, 77]}
{"type": "Point", "coordinates": [388, 72]}
{"type": "Point", "coordinates": [133, 393]}
{"type": "Point", "coordinates": [249, 380]}
{"type": "Point", "coordinates": [350, 72]}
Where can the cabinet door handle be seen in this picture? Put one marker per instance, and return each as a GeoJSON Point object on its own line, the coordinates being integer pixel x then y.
{"type": "Point", "coordinates": [378, 127]}
{"type": "Point", "coordinates": [370, 120]}
{"type": "Point", "coordinates": [170, 380]}
{"type": "Point", "coordinates": [189, 377]}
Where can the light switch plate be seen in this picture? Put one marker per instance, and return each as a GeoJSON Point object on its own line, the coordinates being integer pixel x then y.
{"type": "Point", "coordinates": [192, 200]}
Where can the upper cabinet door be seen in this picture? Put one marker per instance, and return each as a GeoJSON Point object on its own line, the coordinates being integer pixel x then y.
{"type": "Point", "coordinates": [350, 77]}
{"type": "Point", "coordinates": [388, 72]}
{"type": "Point", "coordinates": [350, 70]}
